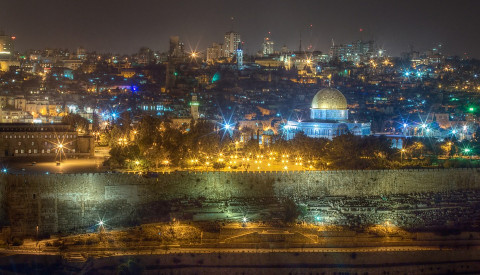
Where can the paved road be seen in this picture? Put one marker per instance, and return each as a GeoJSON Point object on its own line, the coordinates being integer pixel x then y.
{"type": "Point", "coordinates": [91, 165]}
{"type": "Point", "coordinates": [174, 250]}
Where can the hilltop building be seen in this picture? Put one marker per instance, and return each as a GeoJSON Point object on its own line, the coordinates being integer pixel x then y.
{"type": "Point", "coordinates": [328, 118]}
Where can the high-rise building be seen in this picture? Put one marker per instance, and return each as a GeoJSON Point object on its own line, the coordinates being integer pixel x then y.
{"type": "Point", "coordinates": [177, 48]}
{"type": "Point", "coordinates": [355, 52]}
{"type": "Point", "coordinates": [267, 46]}
{"type": "Point", "coordinates": [214, 52]}
{"type": "Point", "coordinates": [81, 53]}
{"type": "Point", "coordinates": [6, 45]}
{"type": "Point", "coordinates": [231, 42]}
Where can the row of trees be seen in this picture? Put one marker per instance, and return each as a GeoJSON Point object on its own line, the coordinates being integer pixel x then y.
{"type": "Point", "coordinates": [156, 142]}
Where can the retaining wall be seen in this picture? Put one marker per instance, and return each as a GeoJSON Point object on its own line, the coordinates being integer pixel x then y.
{"type": "Point", "coordinates": [60, 202]}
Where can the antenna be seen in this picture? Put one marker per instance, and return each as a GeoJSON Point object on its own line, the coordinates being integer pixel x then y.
{"type": "Point", "coordinates": [310, 46]}
{"type": "Point", "coordinates": [232, 21]}
{"type": "Point", "coordinates": [300, 46]}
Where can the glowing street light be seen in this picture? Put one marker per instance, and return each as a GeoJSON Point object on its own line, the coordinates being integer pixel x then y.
{"type": "Point", "coordinates": [60, 151]}
{"type": "Point", "coordinates": [244, 221]}
{"type": "Point", "coordinates": [122, 141]}
{"type": "Point", "coordinates": [101, 226]}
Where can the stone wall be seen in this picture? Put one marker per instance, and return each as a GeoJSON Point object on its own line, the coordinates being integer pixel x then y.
{"type": "Point", "coordinates": [65, 202]}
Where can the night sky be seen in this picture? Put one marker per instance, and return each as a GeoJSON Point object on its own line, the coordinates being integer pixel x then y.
{"type": "Point", "coordinates": [124, 26]}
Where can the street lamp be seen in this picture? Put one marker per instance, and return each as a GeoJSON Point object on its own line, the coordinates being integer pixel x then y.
{"type": "Point", "coordinates": [467, 152]}
{"type": "Point", "coordinates": [122, 141]}
{"type": "Point", "coordinates": [244, 222]}
{"type": "Point", "coordinates": [101, 226]}
{"type": "Point", "coordinates": [60, 151]}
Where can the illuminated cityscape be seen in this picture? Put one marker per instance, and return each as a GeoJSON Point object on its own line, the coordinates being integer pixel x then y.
{"type": "Point", "coordinates": [239, 138]}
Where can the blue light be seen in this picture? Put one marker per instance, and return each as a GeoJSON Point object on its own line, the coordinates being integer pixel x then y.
{"type": "Point", "coordinates": [407, 73]}
{"type": "Point", "coordinates": [134, 88]}
{"type": "Point", "coordinates": [227, 126]}
{"type": "Point", "coordinates": [4, 170]}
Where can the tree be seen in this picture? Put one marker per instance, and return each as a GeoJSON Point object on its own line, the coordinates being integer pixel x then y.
{"type": "Point", "coordinates": [76, 121]}
{"type": "Point", "coordinates": [291, 210]}
{"type": "Point", "coordinates": [131, 267]}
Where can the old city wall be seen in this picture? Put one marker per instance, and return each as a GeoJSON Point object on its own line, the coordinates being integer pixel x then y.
{"type": "Point", "coordinates": [62, 202]}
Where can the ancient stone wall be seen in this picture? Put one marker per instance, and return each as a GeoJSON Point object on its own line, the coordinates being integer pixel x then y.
{"type": "Point", "coordinates": [63, 202]}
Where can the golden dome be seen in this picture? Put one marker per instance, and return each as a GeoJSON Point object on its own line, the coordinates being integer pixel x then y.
{"type": "Point", "coordinates": [329, 99]}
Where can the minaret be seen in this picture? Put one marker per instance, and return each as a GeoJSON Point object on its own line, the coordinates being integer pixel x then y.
{"type": "Point", "coordinates": [194, 107]}
{"type": "Point", "coordinates": [300, 46]}
{"type": "Point", "coordinates": [239, 56]}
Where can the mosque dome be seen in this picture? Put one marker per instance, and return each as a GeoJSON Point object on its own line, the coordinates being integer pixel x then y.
{"type": "Point", "coordinates": [329, 99]}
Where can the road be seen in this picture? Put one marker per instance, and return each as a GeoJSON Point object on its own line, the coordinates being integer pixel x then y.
{"type": "Point", "coordinates": [86, 165]}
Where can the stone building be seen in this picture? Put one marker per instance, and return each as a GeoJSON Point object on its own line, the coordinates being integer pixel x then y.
{"type": "Point", "coordinates": [328, 118]}
{"type": "Point", "coordinates": [42, 140]}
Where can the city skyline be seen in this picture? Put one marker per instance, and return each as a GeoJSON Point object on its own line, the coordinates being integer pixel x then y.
{"type": "Point", "coordinates": [125, 26]}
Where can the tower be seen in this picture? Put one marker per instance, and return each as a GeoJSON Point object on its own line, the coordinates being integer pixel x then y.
{"type": "Point", "coordinates": [267, 46]}
{"type": "Point", "coordinates": [194, 107]}
{"type": "Point", "coordinates": [176, 47]}
{"type": "Point", "coordinates": [231, 43]}
{"type": "Point", "coordinates": [239, 53]}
